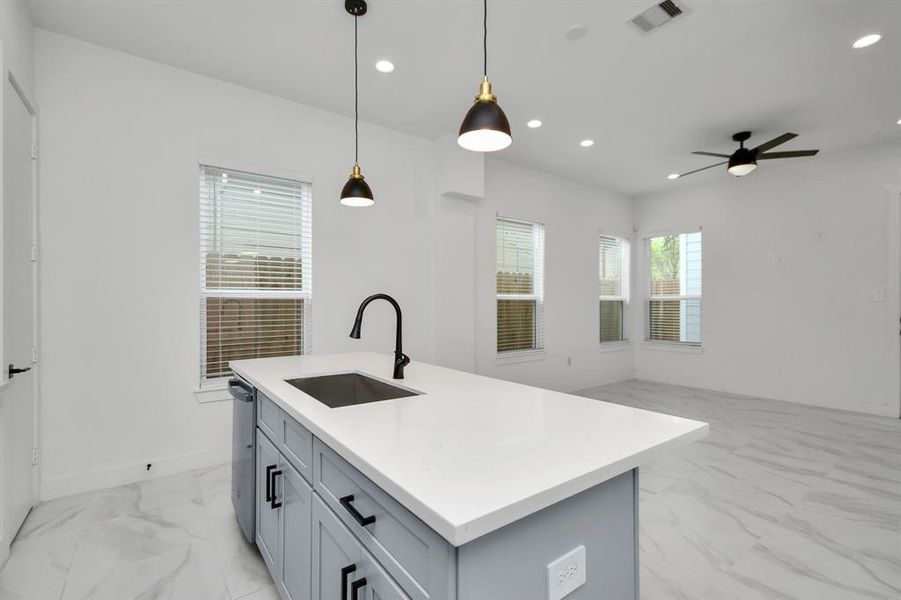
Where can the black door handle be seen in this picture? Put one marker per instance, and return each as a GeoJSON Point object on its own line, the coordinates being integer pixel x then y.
{"type": "Point", "coordinates": [269, 482]}
{"type": "Point", "coordinates": [13, 371]}
{"type": "Point", "coordinates": [355, 588]}
{"type": "Point", "coordinates": [273, 502]}
{"type": "Point", "coordinates": [363, 521]}
{"type": "Point", "coordinates": [345, 571]}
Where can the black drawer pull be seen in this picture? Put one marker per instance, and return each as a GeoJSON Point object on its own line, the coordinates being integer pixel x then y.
{"type": "Point", "coordinates": [269, 482]}
{"type": "Point", "coordinates": [345, 571]}
{"type": "Point", "coordinates": [273, 502]}
{"type": "Point", "coordinates": [355, 588]}
{"type": "Point", "coordinates": [363, 521]}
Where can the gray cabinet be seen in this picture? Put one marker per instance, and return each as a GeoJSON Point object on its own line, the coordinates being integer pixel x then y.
{"type": "Point", "coordinates": [267, 517]}
{"type": "Point", "coordinates": [421, 561]}
{"type": "Point", "coordinates": [283, 521]}
{"type": "Point", "coordinates": [295, 497]}
{"type": "Point", "coordinates": [342, 568]}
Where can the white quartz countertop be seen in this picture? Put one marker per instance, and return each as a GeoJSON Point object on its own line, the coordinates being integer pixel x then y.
{"type": "Point", "coordinates": [471, 454]}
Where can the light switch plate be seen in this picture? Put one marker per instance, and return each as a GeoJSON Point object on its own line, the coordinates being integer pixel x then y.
{"type": "Point", "coordinates": [566, 574]}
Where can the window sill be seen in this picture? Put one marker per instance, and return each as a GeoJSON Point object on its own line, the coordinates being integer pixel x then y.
{"type": "Point", "coordinates": [615, 346]}
{"type": "Point", "coordinates": [673, 347]}
{"type": "Point", "coordinates": [512, 358]}
{"type": "Point", "coordinates": [217, 392]}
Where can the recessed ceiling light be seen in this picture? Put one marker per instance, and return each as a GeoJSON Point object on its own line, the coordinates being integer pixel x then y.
{"type": "Point", "coordinates": [673, 176]}
{"type": "Point", "coordinates": [384, 66]}
{"type": "Point", "coordinates": [586, 143]}
{"type": "Point", "coordinates": [899, 121]}
{"type": "Point", "coordinates": [534, 123]}
{"type": "Point", "coordinates": [867, 40]}
{"type": "Point", "coordinates": [258, 192]}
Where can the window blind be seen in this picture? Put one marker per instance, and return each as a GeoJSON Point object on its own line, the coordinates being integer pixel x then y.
{"type": "Point", "coordinates": [520, 286]}
{"type": "Point", "coordinates": [255, 268]}
{"type": "Point", "coordinates": [675, 299]}
{"type": "Point", "coordinates": [613, 292]}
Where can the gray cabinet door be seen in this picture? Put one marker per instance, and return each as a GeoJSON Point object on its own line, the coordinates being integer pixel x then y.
{"type": "Point", "coordinates": [296, 497]}
{"type": "Point", "coordinates": [268, 527]}
{"type": "Point", "coordinates": [340, 561]}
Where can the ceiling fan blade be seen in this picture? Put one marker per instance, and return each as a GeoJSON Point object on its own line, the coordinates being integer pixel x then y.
{"type": "Point", "coordinates": [703, 168]}
{"type": "Point", "coordinates": [711, 154]}
{"type": "Point", "coordinates": [792, 154]}
{"type": "Point", "coordinates": [777, 141]}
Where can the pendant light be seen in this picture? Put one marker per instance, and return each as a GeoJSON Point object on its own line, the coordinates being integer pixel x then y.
{"type": "Point", "coordinates": [485, 127]}
{"type": "Point", "coordinates": [356, 191]}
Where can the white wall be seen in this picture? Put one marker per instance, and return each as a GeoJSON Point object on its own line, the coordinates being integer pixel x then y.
{"type": "Point", "coordinates": [573, 216]}
{"type": "Point", "coordinates": [18, 49]}
{"type": "Point", "coordinates": [121, 138]}
{"type": "Point", "coordinates": [792, 258]}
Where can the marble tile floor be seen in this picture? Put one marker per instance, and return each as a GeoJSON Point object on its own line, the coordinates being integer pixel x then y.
{"type": "Point", "coordinates": [780, 502]}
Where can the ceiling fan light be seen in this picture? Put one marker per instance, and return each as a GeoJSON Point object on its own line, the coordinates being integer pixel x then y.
{"type": "Point", "coordinates": [485, 127]}
{"type": "Point", "coordinates": [741, 170]}
{"type": "Point", "coordinates": [356, 191]}
{"type": "Point", "coordinates": [742, 162]}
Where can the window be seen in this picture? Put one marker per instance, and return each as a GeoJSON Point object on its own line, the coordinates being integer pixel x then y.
{"type": "Point", "coordinates": [613, 292]}
{"type": "Point", "coordinates": [674, 305]}
{"type": "Point", "coordinates": [255, 266]}
{"type": "Point", "coordinates": [520, 286]}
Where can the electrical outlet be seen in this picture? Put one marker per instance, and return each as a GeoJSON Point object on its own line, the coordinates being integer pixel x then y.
{"type": "Point", "coordinates": [569, 361]}
{"type": "Point", "coordinates": [566, 574]}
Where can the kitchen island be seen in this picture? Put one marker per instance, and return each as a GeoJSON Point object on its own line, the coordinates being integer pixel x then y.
{"type": "Point", "coordinates": [471, 489]}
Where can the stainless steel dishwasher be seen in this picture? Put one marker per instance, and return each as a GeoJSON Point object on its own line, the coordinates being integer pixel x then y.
{"type": "Point", "coordinates": [244, 420]}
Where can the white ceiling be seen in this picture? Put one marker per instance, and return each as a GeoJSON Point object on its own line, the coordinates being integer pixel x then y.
{"type": "Point", "coordinates": [647, 100]}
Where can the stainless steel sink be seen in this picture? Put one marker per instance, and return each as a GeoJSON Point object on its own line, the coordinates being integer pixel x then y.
{"type": "Point", "coordinates": [348, 389]}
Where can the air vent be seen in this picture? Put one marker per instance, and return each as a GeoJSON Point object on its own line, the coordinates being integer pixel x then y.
{"type": "Point", "coordinates": [657, 15]}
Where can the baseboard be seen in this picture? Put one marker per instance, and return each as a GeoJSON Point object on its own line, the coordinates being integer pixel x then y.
{"type": "Point", "coordinates": [98, 480]}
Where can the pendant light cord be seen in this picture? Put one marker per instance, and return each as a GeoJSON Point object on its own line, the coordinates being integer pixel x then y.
{"type": "Point", "coordinates": [356, 100]}
{"type": "Point", "coordinates": [485, 37]}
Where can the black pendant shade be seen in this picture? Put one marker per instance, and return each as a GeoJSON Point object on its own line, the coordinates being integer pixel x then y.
{"type": "Point", "coordinates": [356, 192]}
{"type": "Point", "coordinates": [485, 127]}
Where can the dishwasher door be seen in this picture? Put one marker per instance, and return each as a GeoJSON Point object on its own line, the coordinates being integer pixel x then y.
{"type": "Point", "coordinates": [243, 455]}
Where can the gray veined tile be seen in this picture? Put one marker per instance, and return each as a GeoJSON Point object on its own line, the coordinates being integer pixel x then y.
{"type": "Point", "coordinates": [191, 573]}
{"type": "Point", "coordinates": [267, 593]}
{"type": "Point", "coordinates": [132, 538]}
{"type": "Point", "coordinates": [817, 556]}
{"type": "Point", "coordinates": [38, 566]}
{"type": "Point", "coordinates": [244, 569]}
{"type": "Point", "coordinates": [662, 581]}
{"type": "Point", "coordinates": [863, 486]}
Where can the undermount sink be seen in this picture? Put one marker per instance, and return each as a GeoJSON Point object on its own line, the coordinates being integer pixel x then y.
{"type": "Point", "coordinates": [348, 389]}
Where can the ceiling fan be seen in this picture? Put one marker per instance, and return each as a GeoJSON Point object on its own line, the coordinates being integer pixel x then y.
{"type": "Point", "coordinates": [744, 160]}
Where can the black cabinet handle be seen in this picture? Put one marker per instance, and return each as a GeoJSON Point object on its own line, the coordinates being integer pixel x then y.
{"type": "Point", "coordinates": [14, 371]}
{"type": "Point", "coordinates": [345, 571]}
{"type": "Point", "coordinates": [363, 521]}
{"type": "Point", "coordinates": [269, 482]}
{"type": "Point", "coordinates": [355, 588]}
{"type": "Point", "coordinates": [273, 502]}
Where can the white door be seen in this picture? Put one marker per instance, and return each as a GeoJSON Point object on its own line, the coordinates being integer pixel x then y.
{"type": "Point", "coordinates": [17, 398]}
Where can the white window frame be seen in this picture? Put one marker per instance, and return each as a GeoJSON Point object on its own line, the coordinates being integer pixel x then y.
{"type": "Point", "coordinates": [691, 347]}
{"type": "Point", "coordinates": [539, 238]}
{"type": "Point", "coordinates": [209, 389]}
{"type": "Point", "coordinates": [626, 288]}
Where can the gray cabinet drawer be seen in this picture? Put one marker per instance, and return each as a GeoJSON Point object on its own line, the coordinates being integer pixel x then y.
{"type": "Point", "coordinates": [420, 560]}
{"type": "Point", "coordinates": [269, 417]}
{"type": "Point", "coordinates": [339, 561]}
{"type": "Point", "coordinates": [297, 446]}
{"type": "Point", "coordinates": [293, 440]}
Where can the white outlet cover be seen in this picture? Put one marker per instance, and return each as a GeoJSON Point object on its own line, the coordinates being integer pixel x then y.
{"type": "Point", "coordinates": [566, 574]}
